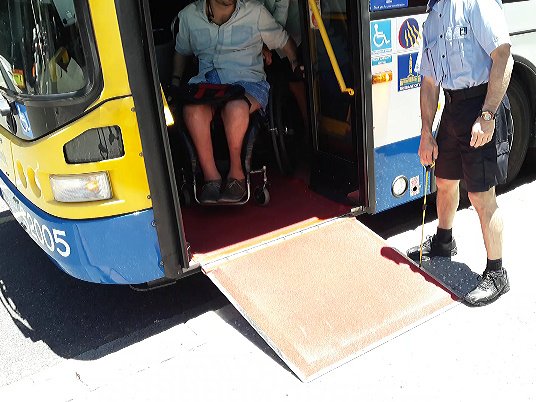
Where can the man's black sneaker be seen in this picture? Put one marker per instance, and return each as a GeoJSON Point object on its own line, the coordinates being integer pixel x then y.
{"type": "Point", "coordinates": [491, 286]}
{"type": "Point", "coordinates": [210, 192]}
{"type": "Point", "coordinates": [433, 248]}
{"type": "Point", "coordinates": [235, 190]}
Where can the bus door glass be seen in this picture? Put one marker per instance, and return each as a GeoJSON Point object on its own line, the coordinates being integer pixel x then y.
{"type": "Point", "coordinates": [334, 169]}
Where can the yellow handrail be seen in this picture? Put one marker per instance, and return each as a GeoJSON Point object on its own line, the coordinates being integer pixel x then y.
{"type": "Point", "coordinates": [327, 44]}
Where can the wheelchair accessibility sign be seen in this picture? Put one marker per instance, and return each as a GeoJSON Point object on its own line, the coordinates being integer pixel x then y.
{"type": "Point", "coordinates": [380, 37]}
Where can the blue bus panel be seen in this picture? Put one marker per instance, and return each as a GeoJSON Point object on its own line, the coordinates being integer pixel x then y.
{"type": "Point", "coordinates": [394, 160]}
{"type": "Point", "coordinates": [115, 250]}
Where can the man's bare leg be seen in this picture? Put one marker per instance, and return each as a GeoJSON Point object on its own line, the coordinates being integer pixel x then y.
{"type": "Point", "coordinates": [448, 199]}
{"type": "Point", "coordinates": [197, 119]}
{"type": "Point", "coordinates": [491, 221]}
{"type": "Point", "coordinates": [235, 116]}
{"type": "Point", "coordinates": [494, 281]}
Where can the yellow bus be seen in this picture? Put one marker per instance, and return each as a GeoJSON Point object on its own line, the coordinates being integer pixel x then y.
{"type": "Point", "coordinates": [91, 170]}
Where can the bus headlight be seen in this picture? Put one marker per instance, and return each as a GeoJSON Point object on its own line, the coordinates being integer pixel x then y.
{"type": "Point", "coordinates": [81, 187]}
{"type": "Point", "coordinates": [399, 186]}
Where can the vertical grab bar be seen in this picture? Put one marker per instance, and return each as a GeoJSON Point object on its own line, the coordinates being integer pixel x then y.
{"type": "Point", "coordinates": [329, 49]}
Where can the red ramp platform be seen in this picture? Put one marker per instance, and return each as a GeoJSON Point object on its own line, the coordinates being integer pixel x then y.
{"type": "Point", "coordinates": [324, 295]}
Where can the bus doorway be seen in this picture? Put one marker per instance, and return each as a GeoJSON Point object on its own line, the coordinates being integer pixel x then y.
{"type": "Point", "coordinates": [304, 190]}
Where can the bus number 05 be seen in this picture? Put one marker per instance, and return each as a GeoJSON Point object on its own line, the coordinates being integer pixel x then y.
{"type": "Point", "coordinates": [52, 240]}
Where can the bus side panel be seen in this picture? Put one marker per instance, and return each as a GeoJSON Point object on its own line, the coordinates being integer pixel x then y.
{"type": "Point", "coordinates": [6, 158]}
{"type": "Point", "coordinates": [395, 46]}
{"type": "Point", "coordinates": [518, 15]}
{"type": "Point", "coordinates": [117, 250]}
{"type": "Point", "coordinates": [130, 189]}
{"type": "Point", "coordinates": [395, 160]}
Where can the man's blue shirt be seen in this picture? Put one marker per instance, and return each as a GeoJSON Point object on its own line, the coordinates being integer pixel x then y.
{"type": "Point", "coordinates": [233, 49]}
{"type": "Point", "coordinates": [458, 38]}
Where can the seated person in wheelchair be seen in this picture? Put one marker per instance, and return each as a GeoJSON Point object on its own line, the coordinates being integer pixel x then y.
{"type": "Point", "coordinates": [227, 37]}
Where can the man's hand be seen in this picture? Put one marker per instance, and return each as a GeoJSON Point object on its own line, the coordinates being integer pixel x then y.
{"type": "Point", "coordinates": [266, 55]}
{"type": "Point", "coordinates": [428, 150]}
{"type": "Point", "coordinates": [482, 132]}
{"type": "Point", "coordinates": [299, 73]}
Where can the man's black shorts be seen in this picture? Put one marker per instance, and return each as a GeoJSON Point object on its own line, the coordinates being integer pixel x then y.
{"type": "Point", "coordinates": [483, 167]}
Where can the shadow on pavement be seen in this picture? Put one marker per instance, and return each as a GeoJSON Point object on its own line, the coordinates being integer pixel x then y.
{"type": "Point", "coordinates": [72, 316]}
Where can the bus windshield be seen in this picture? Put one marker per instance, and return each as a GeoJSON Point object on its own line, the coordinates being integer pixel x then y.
{"type": "Point", "coordinates": [40, 48]}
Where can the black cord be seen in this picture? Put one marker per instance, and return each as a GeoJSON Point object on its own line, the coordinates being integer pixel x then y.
{"type": "Point", "coordinates": [209, 11]}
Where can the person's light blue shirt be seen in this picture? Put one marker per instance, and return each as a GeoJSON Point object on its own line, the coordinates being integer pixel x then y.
{"type": "Point", "coordinates": [233, 49]}
{"type": "Point", "coordinates": [458, 39]}
{"type": "Point", "coordinates": [278, 8]}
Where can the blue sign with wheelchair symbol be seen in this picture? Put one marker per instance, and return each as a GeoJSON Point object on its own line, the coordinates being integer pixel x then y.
{"type": "Point", "coordinates": [24, 120]}
{"type": "Point", "coordinates": [380, 36]}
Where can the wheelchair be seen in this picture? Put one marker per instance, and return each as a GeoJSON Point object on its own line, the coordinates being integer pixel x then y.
{"type": "Point", "coordinates": [275, 125]}
{"type": "Point", "coordinates": [191, 174]}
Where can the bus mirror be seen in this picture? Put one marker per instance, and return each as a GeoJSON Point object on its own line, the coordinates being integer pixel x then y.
{"type": "Point", "coordinates": [5, 109]}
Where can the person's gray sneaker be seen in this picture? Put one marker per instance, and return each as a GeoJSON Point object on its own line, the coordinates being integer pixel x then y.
{"type": "Point", "coordinates": [492, 285]}
{"type": "Point", "coordinates": [234, 191]}
{"type": "Point", "coordinates": [210, 192]}
{"type": "Point", "coordinates": [433, 248]}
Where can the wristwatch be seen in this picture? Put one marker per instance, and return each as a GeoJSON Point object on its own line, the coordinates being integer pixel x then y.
{"type": "Point", "coordinates": [487, 115]}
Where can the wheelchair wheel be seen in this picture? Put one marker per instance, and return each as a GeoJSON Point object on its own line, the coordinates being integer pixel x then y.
{"type": "Point", "coordinates": [282, 120]}
{"type": "Point", "coordinates": [262, 195]}
{"type": "Point", "coordinates": [185, 196]}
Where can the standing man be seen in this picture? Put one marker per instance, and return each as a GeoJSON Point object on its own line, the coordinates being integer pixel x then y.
{"type": "Point", "coordinates": [466, 51]}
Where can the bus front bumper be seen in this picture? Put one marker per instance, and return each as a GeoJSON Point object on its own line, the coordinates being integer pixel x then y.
{"type": "Point", "coordinates": [113, 250]}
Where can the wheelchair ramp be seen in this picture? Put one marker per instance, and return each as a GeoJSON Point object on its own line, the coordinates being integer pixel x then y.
{"type": "Point", "coordinates": [326, 294]}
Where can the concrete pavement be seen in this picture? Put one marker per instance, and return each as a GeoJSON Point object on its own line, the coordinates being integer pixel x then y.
{"type": "Point", "coordinates": [461, 353]}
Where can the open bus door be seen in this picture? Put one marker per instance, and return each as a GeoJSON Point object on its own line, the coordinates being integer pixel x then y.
{"type": "Point", "coordinates": [140, 60]}
{"type": "Point", "coordinates": [340, 100]}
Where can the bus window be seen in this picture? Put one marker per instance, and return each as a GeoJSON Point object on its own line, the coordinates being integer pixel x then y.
{"type": "Point", "coordinates": [41, 47]}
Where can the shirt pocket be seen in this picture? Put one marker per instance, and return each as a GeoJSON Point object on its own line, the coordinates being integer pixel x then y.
{"type": "Point", "coordinates": [240, 34]}
{"type": "Point", "coordinates": [200, 39]}
{"type": "Point", "coordinates": [459, 49]}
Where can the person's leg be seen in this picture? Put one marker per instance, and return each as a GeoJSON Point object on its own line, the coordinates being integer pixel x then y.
{"type": "Point", "coordinates": [235, 116]}
{"type": "Point", "coordinates": [491, 222]}
{"type": "Point", "coordinates": [197, 119]}
{"type": "Point", "coordinates": [442, 243]}
{"type": "Point", "coordinates": [448, 198]}
{"type": "Point", "coordinates": [481, 179]}
{"type": "Point", "coordinates": [494, 280]}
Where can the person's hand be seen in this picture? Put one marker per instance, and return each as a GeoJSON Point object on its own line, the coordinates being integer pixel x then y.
{"type": "Point", "coordinates": [482, 132]}
{"type": "Point", "coordinates": [266, 55]}
{"type": "Point", "coordinates": [428, 150]}
{"type": "Point", "coordinates": [299, 72]}
{"type": "Point", "coordinates": [172, 93]}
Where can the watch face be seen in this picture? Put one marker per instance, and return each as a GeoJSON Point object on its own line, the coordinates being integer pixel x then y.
{"type": "Point", "coordinates": [487, 116]}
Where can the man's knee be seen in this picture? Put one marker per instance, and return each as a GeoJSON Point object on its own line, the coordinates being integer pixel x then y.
{"type": "Point", "coordinates": [484, 200]}
{"type": "Point", "coordinates": [236, 110]}
{"type": "Point", "coordinates": [192, 114]}
{"type": "Point", "coordinates": [447, 185]}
